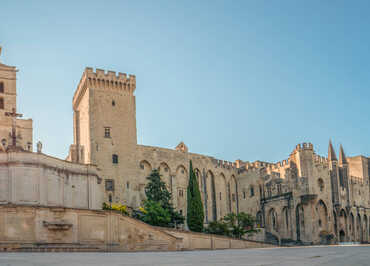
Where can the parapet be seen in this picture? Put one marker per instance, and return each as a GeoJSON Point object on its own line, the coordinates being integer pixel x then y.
{"type": "Point", "coordinates": [102, 79]}
{"type": "Point", "coordinates": [320, 159]}
{"type": "Point", "coordinates": [225, 164]}
{"type": "Point", "coordinates": [304, 146]}
{"type": "Point", "coordinates": [110, 78]}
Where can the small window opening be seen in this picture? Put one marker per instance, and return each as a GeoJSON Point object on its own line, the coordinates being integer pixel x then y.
{"type": "Point", "coordinates": [107, 132]}
{"type": "Point", "coordinates": [109, 185]}
{"type": "Point", "coordinates": [128, 185]}
{"type": "Point", "coordinates": [113, 103]}
{"type": "Point", "coordinates": [251, 191]}
{"type": "Point", "coordinates": [1, 87]}
{"type": "Point", "coordinates": [1, 103]}
{"type": "Point", "coordinates": [115, 158]}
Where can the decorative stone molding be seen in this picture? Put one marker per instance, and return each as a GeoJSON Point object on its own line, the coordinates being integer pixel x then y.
{"type": "Point", "coordinates": [58, 225]}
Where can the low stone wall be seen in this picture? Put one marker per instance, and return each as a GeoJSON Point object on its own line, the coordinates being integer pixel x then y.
{"type": "Point", "coordinates": [24, 228]}
{"type": "Point", "coordinates": [38, 228]}
{"type": "Point", "coordinates": [194, 241]}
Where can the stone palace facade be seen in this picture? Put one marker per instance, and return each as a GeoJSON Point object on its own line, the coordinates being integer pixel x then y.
{"type": "Point", "coordinates": [306, 198]}
{"type": "Point", "coordinates": [303, 199]}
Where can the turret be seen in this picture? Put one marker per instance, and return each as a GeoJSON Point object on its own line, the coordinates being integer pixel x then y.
{"type": "Point", "coordinates": [343, 172]}
{"type": "Point", "coordinates": [334, 173]}
{"type": "Point", "coordinates": [342, 157]}
{"type": "Point", "coordinates": [331, 153]}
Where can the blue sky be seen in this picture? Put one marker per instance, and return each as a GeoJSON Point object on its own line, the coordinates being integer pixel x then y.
{"type": "Point", "coordinates": [232, 79]}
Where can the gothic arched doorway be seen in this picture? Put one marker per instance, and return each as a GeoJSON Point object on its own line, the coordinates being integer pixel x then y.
{"type": "Point", "coordinates": [342, 236]}
{"type": "Point", "coordinates": [299, 215]}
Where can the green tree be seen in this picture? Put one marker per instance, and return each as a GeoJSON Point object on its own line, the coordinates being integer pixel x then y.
{"type": "Point", "coordinates": [240, 224]}
{"type": "Point", "coordinates": [195, 214]}
{"type": "Point", "coordinates": [155, 214]}
{"type": "Point", "coordinates": [157, 205]}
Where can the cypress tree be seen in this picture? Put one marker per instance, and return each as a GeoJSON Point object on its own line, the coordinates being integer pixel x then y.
{"type": "Point", "coordinates": [195, 214]}
{"type": "Point", "coordinates": [158, 208]}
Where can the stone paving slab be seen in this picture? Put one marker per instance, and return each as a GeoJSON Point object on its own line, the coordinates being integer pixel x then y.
{"type": "Point", "coordinates": [320, 255]}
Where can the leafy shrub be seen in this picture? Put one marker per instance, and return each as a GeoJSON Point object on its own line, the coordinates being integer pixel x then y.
{"type": "Point", "coordinates": [116, 207]}
{"type": "Point", "coordinates": [233, 225]}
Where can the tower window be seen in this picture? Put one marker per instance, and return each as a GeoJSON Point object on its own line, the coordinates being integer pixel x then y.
{"type": "Point", "coordinates": [113, 103]}
{"type": "Point", "coordinates": [128, 185]}
{"type": "Point", "coordinates": [107, 132]}
{"type": "Point", "coordinates": [251, 194]}
{"type": "Point", "coordinates": [1, 87]}
{"type": "Point", "coordinates": [1, 103]}
{"type": "Point", "coordinates": [115, 158]}
{"type": "Point", "coordinates": [29, 145]}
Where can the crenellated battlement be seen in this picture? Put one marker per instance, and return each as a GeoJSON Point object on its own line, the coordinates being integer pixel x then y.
{"type": "Point", "coordinates": [280, 164]}
{"type": "Point", "coordinates": [226, 164]}
{"type": "Point", "coordinates": [110, 76]}
{"type": "Point", "coordinates": [320, 159]}
{"type": "Point", "coordinates": [102, 79]}
{"type": "Point", "coordinates": [304, 146]}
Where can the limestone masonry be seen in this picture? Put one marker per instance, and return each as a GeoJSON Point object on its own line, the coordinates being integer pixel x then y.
{"type": "Point", "coordinates": [306, 198]}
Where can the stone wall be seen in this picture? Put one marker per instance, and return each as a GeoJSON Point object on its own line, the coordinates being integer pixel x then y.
{"type": "Point", "coordinates": [26, 227]}
{"type": "Point", "coordinates": [196, 241]}
{"type": "Point", "coordinates": [37, 179]}
{"type": "Point", "coordinates": [32, 228]}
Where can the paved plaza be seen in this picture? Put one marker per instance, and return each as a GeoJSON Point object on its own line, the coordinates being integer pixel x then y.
{"type": "Point", "coordinates": [333, 255]}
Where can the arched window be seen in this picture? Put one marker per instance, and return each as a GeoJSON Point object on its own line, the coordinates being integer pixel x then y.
{"type": "Point", "coordinates": [1, 87]}
{"type": "Point", "coordinates": [115, 158]}
{"type": "Point", "coordinates": [273, 220]}
{"type": "Point", "coordinates": [321, 185]}
{"type": "Point", "coordinates": [1, 103]}
{"type": "Point", "coordinates": [259, 219]}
